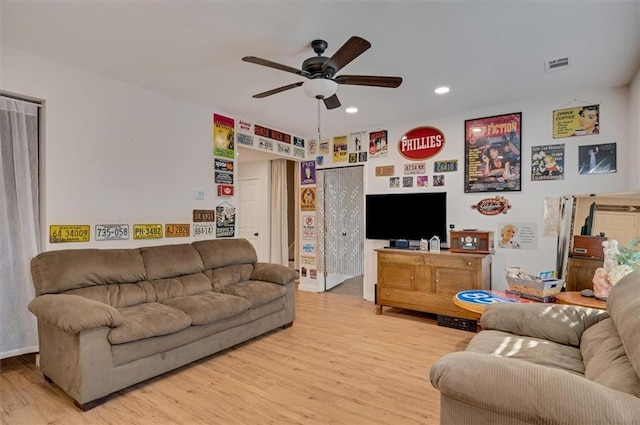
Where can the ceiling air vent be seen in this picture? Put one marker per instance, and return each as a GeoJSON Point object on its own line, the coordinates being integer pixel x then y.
{"type": "Point", "coordinates": [557, 64]}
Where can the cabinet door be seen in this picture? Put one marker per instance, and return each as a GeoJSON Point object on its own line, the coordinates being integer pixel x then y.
{"type": "Point", "coordinates": [580, 274]}
{"type": "Point", "coordinates": [401, 272]}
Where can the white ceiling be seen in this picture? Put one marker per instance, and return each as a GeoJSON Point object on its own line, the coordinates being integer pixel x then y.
{"type": "Point", "coordinates": [488, 52]}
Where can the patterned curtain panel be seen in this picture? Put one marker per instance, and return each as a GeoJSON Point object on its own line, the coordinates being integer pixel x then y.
{"type": "Point", "coordinates": [340, 221]}
{"type": "Point", "coordinates": [19, 224]}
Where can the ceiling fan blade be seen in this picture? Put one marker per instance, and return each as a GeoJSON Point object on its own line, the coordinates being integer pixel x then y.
{"type": "Point", "coordinates": [369, 80]}
{"type": "Point", "coordinates": [332, 102]}
{"type": "Point", "coordinates": [278, 90]}
{"type": "Point", "coordinates": [275, 65]}
{"type": "Point", "coordinates": [350, 50]}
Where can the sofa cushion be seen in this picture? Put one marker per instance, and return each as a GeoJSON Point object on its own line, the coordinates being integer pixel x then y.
{"type": "Point", "coordinates": [180, 286]}
{"type": "Point", "coordinates": [623, 304]}
{"type": "Point", "coordinates": [258, 293]}
{"type": "Point", "coordinates": [218, 253]}
{"type": "Point", "coordinates": [532, 350]}
{"type": "Point", "coordinates": [227, 275]}
{"type": "Point", "coordinates": [166, 261]}
{"type": "Point", "coordinates": [209, 306]}
{"type": "Point", "coordinates": [605, 359]}
{"type": "Point", "coordinates": [148, 320]}
{"type": "Point", "coordinates": [54, 272]}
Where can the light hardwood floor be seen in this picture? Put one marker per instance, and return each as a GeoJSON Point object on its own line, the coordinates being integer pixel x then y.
{"type": "Point", "coordinates": [339, 363]}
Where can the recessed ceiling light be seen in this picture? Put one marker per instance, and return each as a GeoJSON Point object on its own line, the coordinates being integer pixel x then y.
{"type": "Point", "coordinates": [351, 110]}
{"type": "Point", "coordinates": [442, 90]}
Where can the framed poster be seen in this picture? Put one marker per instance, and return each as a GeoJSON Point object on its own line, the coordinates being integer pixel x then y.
{"type": "Point", "coordinates": [492, 154]}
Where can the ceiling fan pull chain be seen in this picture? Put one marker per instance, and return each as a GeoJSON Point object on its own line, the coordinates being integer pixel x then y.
{"type": "Point", "coordinates": [319, 134]}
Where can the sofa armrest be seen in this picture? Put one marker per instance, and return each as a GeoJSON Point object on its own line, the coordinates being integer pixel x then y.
{"type": "Point", "coordinates": [275, 273]}
{"type": "Point", "coordinates": [73, 313]}
{"type": "Point", "coordinates": [563, 324]}
{"type": "Point", "coordinates": [530, 393]}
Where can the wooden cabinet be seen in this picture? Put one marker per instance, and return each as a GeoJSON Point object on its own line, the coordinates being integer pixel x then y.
{"type": "Point", "coordinates": [426, 281]}
{"type": "Point", "coordinates": [580, 273]}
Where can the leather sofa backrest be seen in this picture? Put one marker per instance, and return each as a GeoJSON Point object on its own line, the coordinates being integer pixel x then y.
{"type": "Point", "coordinates": [623, 305]}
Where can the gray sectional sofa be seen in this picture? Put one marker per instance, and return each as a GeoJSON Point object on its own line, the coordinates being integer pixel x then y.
{"type": "Point", "coordinates": [111, 318]}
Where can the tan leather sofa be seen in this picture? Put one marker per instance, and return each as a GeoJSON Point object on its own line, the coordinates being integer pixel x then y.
{"type": "Point", "coordinates": [548, 364]}
{"type": "Point", "coordinates": [111, 318]}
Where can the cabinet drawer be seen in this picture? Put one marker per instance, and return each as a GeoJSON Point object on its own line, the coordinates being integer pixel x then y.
{"type": "Point", "coordinates": [393, 258]}
{"type": "Point", "coordinates": [453, 262]}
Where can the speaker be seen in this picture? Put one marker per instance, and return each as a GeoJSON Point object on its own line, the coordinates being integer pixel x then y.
{"type": "Point", "coordinates": [398, 243]}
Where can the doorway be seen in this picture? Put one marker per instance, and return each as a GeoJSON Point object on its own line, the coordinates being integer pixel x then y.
{"type": "Point", "coordinates": [340, 211]}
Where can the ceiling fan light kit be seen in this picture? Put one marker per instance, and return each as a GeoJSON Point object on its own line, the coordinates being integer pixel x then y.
{"type": "Point", "coordinates": [320, 88]}
{"type": "Point", "coordinates": [320, 72]}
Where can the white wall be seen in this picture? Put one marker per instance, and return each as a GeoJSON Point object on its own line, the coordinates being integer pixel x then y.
{"type": "Point", "coordinates": [634, 131]}
{"type": "Point", "coordinates": [117, 153]}
{"type": "Point", "coordinates": [527, 205]}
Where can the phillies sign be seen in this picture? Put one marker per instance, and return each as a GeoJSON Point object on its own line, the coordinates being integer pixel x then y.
{"type": "Point", "coordinates": [421, 143]}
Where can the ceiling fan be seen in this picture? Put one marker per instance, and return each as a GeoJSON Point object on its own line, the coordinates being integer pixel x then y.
{"type": "Point", "coordinates": [321, 72]}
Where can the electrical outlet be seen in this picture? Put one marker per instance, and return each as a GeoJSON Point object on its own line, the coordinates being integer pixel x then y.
{"type": "Point", "coordinates": [199, 195]}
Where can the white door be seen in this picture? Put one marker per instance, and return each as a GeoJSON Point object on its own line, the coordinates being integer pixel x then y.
{"type": "Point", "coordinates": [252, 207]}
{"type": "Point", "coordinates": [620, 226]}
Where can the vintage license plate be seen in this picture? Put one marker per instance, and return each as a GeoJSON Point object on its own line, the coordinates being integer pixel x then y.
{"type": "Point", "coordinates": [69, 233]}
{"type": "Point", "coordinates": [147, 231]}
{"type": "Point", "coordinates": [204, 215]}
{"type": "Point", "coordinates": [112, 232]}
{"type": "Point", "coordinates": [445, 166]}
{"type": "Point", "coordinates": [181, 230]}
{"type": "Point", "coordinates": [204, 229]}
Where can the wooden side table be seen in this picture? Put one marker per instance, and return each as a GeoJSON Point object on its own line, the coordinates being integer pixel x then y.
{"type": "Point", "coordinates": [575, 298]}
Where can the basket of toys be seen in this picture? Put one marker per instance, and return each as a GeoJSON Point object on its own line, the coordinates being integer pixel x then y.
{"type": "Point", "coordinates": [539, 288]}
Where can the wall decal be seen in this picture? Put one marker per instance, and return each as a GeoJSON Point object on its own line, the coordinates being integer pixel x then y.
{"type": "Point", "coordinates": [492, 206]}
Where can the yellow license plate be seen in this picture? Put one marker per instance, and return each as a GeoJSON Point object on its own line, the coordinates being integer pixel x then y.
{"type": "Point", "coordinates": [177, 230]}
{"type": "Point", "coordinates": [147, 231]}
{"type": "Point", "coordinates": [69, 233]}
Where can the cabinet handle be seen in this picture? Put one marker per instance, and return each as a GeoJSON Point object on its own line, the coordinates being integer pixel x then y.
{"type": "Point", "coordinates": [386, 293]}
{"type": "Point", "coordinates": [468, 263]}
{"type": "Point", "coordinates": [411, 277]}
{"type": "Point", "coordinates": [437, 280]}
{"type": "Point", "coordinates": [416, 259]}
{"type": "Point", "coordinates": [431, 261]}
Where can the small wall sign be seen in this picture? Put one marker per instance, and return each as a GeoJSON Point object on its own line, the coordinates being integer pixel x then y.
{"type": "Point", "coordinates": [385, 170]}
{"type": "Point", "coordinates": [225, 190]}
{"type": "Point", "coordinates": [421, 143]}
{"type": "Point", "coordinates": [492, 206]}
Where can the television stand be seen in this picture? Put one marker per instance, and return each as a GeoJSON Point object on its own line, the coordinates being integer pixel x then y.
{"type": "Point", "coordinates": [427, 281]}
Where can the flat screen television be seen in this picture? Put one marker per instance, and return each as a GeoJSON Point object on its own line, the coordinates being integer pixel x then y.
{"type": "Point", "coordinates": [411, 216]}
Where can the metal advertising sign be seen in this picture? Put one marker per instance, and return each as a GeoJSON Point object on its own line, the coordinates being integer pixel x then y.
{"type": "Point", "coordinates": [223, 178]}
{"type": "Point", "coordinates": [147, 231]}
{"type": "Point", "coordinates": [222, 165]}
{"type": "Point", "coordinates": [492, 206]}
{"type": "Point", "coordinates": [69, 233]}
{"type": "Point", "coordinates": [421, 143]}
{"type": "Point", "coordinates": [225, 190]}
{"type": "Point", "coordinates": [112, 232]}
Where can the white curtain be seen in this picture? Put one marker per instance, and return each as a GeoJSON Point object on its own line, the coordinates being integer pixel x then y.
{"type": "Point", "coordinates": [19, 224]}
{"type": "Point", "coordinates": [279, 219]}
